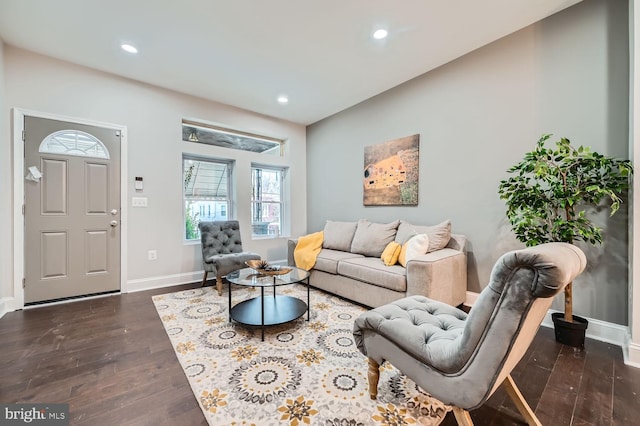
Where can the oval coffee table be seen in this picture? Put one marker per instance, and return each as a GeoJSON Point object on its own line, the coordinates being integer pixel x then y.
{"type": "Point", "coordinates": [268, 310]}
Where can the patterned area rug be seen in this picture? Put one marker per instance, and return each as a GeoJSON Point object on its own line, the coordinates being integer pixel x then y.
{"type": "Point", "coordinates": [305, 372]}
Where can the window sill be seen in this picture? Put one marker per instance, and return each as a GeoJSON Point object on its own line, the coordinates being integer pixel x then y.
{"type": "Point", "coordinates": [268, 237]}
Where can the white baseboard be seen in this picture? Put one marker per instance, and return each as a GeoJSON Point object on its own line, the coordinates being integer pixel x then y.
{"type": "Point", "coordinates": [171, 280]}
{"type": "Point", "coordinates": [632, 354]}
{"type": "Point", "coordinates": [599, 330]}
{"type": "Point", "coordinates": [163, 281]}
{"type": "Point", "coordinates": [8, 304]}
{"type": "Point", "coordinates": [3, 306]}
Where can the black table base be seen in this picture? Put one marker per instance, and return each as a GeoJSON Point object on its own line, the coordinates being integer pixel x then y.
{"type": "Point", "coordinates": [268, 310]}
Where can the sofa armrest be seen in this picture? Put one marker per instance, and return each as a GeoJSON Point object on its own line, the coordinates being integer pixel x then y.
{"type": "Point", "coordinates": [458, 242]}
{"type": "Point", "coordinates": [291, 246]}
{"type": "Point", "coordinates": [439, 275]}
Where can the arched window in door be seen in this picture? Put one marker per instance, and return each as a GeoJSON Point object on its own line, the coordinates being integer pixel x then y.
{"type": "Point", "coordinates": [74, 142]}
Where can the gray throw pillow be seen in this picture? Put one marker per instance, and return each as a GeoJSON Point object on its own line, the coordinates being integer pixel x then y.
{"type": "Point", "coordinates": [371, 238]}
{"type": "Point", "coordinates": [338, 235]}
{"type": "Point", "coordinates": [439, 235]}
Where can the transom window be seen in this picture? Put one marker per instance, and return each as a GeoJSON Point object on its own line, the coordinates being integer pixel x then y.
{"type": "Point", "coordinates": [268, 201]}
{"type": "Point", "coordinates": [207, 192]}
{"type": "Point", "coordinates": [210, 134]}
{"type": "Point", "coordinates": [74, 142]}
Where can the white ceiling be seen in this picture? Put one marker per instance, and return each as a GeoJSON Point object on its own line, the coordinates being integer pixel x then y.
{"type": "Point", "coordinates": [247, 52]}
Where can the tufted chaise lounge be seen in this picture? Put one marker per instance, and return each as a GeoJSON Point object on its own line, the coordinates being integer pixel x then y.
{"type": "Point", "coordinates": [222, 249]}
{"type": "Point", "coordinates": [462, 359]}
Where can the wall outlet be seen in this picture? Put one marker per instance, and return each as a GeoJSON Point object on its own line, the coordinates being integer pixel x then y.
{"type": "Point", "coordinates": [152, 254]}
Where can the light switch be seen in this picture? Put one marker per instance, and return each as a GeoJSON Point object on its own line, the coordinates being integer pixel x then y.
{"type": "Point", "coordinates": [139, 201]}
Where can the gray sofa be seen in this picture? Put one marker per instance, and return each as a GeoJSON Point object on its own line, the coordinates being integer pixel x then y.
{"type": "Point", "coordinates": [349, 263]}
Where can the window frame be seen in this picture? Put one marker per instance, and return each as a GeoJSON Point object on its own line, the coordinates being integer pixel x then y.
{"type": "Point", "coordinates": [283, 203]}
{"type": "Point", "coordinates": [230, 200]}
{"type": "Point", "coordinates": [73, 136]}
{"type": "Point", "coordinates": [202, 132]}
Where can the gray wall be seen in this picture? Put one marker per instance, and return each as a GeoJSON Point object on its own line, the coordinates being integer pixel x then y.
{"type": "Point", "coordinates": [476, 117]}
{"type": "Point", "coordinates": [155, 147]}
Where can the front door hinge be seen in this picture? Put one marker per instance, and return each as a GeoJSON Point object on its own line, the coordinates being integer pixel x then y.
{"type": "Point", "coordinates": [24, 136]}
{"type": "Point", "coordinates": [24, 282]}
{"type": "Point", "coordinates": [23, 208]}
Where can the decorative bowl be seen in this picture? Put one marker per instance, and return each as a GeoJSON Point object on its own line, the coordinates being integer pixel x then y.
{"type": "Point", "coordinates": [263, 268]}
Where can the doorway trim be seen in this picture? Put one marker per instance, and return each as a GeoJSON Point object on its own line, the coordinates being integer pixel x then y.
{"type": "Point", "coordinates": [18, 115]}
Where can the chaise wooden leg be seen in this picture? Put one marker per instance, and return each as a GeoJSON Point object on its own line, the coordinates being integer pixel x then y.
{"type": "Point", "coordinates": [521, 404]}
{"type": "Point", "coordinates": [462, 416]}
{"type": "Point", "coordinates": [374, 376]}
{"type": "Point", "coordinates": [204, 279]}
{"type": "Point", "coordinates": [219, 285]}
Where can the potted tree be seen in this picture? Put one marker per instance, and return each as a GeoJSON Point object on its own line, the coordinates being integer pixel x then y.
{"type": "Point", "coordinates": [547, 199]}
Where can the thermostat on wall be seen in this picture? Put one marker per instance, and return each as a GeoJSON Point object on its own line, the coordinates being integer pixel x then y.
{"type": "Point", "coordinates": [139, 184]}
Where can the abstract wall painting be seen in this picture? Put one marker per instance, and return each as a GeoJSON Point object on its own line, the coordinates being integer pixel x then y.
{"type": "Point", "coordinates": [391, 172]}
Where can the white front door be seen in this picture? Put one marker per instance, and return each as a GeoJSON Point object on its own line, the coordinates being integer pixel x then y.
{"type": "Point", "coordinates": [72, 212]}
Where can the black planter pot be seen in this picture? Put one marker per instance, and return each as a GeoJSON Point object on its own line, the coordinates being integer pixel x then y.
{"type": "Point", "coordinates": [570, 333]}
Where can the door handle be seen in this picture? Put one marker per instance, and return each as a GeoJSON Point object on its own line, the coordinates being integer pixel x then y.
{"type": "Point", "coordinates": [113, 223]}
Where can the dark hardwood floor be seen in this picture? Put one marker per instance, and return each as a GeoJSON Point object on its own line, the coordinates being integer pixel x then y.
{"type": "Point", "coordinates": [110, 359]}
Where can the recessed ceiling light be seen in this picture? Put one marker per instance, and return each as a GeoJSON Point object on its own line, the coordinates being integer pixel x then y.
{"type": "Point", "coordinates": [129, 48]}
{"type": "Point", "coordinates": [380, 34]}
{"type": "Point", "coordinates": [283, 99]}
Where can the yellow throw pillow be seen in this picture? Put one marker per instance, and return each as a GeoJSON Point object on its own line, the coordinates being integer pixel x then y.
{"type": "Point", "coordinates": [402, 257]}
{"type": "Point", "coordinates": [391, 253]}
{"type": "Point", "coordinates": [415, 246]}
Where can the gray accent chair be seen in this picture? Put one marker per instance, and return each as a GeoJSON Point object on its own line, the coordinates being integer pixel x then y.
{"type": "Point", "coordinates": [222, 250]}
{"type": "Point", "coordinates": [462, 359]}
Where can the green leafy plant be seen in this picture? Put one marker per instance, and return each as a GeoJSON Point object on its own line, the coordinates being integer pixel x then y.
{"type": "Point", "coordinates": [191, 224]}
{"type": "Point", "coordinates": [190, 217]}
{"type": "Point", "coordinates": [550, 189]}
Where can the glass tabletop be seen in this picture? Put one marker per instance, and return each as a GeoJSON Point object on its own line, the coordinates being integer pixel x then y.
{"type": "Point", "coordinates": [250, 277]}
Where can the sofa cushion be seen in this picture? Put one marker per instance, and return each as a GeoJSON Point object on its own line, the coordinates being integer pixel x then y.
{"type": "Point", "coordinates": [373, 271]}
{"type": "Point", "coordinates": [338, 235]}
{"type": "Point", "coordinates": [391, 253]}
{"type": "Point", "coordinates": [414, 247]}
{"type": "Point", "coordinates": [439, 234]}
{"type": "Point", "coordinates": [327, 260]}
{"type": "Point", "coordinates": [371, 238]}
